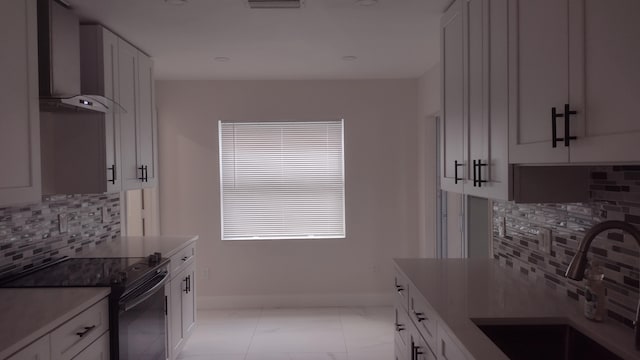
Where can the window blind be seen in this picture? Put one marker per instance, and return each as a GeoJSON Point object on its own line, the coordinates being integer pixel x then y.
{"type": "Point", "coordinates": [282, 180]}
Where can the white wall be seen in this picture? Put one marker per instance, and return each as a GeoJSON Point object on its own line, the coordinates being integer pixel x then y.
{"type": "Point", "coordinates": [381, 153]}
{"type": "Point", "coordinates": [428, 107]}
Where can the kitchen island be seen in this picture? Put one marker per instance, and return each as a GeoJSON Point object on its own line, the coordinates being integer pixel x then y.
{"type": "Point", "coordinates": [459, 294]}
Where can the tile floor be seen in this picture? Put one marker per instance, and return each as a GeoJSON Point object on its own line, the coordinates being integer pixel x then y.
{"type": "Point", "coordinates": [292, 334]}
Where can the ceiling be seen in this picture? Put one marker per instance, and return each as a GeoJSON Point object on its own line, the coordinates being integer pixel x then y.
{"type": "Point", "coordinates": [391, 39]}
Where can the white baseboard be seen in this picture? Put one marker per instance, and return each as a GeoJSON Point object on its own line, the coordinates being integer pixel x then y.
{"type": "Point", "coordinates": [294, 300]}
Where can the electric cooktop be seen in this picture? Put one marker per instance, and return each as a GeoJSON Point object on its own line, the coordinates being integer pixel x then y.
{"type": "Point", "coordinates": [84, 272]}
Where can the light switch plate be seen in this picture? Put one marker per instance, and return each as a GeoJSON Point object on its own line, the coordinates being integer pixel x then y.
{"type": "Point", "coordinates": [105, 215]}
{"type": "Point", "coordinates": [63, 223]}
{"type": "Point", "coordinates": [544, 240]}
{"type": "Point", "coordinates": [502, 226]}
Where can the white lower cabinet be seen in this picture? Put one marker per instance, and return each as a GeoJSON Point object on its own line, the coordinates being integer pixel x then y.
{"type": "Point", "coordinates": [38, 350]}
{"type": "Point", "coordinates": [447, 346]}
{"type": "Point", "coordinates": [99, 350]}
{"type": "Point", "coordinates": [83, 337]}
{"type": "Point", "coordinates": [408, 340]}
{"type": "Point", "coordinates": [419, 332]}
{"type": "Point", "coordinates": [76, 334]}
{"type": "Point", "coordinates": [181, 320]}
{"type": "Point", "coordinates": [418, 347]}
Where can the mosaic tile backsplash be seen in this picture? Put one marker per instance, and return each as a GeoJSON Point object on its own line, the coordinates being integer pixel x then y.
{"type": "Point", "coordinates": [30, 235]}
{"type": "Point", "coordinates": [615, 195]}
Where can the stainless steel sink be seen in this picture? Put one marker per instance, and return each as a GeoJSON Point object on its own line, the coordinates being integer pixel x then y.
{"type": "Point", "coordinates": [549, 342]}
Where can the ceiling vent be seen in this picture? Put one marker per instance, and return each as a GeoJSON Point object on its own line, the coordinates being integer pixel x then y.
{"type": "Point", "coordinates": [275, 4]}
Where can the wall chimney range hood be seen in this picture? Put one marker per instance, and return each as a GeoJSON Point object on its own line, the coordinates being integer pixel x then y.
{"type": "Point", "coordinates": [59, 62]}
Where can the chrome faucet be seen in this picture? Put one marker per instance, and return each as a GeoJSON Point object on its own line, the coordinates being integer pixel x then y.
{"type": "Point", "coordinates": [578, 264]}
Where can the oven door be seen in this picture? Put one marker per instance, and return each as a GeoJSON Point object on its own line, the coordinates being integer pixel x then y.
{"type": "Point", "coordinates": [142, 327]}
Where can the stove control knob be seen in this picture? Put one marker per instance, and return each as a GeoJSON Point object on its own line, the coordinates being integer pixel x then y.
{"type": "Point", "coordinates": [154, 258]}
{"type": "Point", "coordinates": [119, 278]}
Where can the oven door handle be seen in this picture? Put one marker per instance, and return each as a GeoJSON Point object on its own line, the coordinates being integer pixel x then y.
{"type": "Point", "coordinates": [147, 294]}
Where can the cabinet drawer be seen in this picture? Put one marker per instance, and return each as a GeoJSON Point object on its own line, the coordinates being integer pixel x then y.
{"type": "Point", "coordinates": [99, 350]}
{"type": "Point", "coordinates": [182, 259]}
{"type": "Point", "coordinates": [401, 287]}
{"type": "Point", "coordinates": [418, 347]}
{"type": "Point", "coordinates": [37, 350]}
{"type": "Point", "coordinates": [424, 317]}
{"type": "Point", "coordinates": [448, 347]}
{"type": "Point", "coordinates": [76, 334]}
{"type": "Point", "coordinates": [400, 349]}
{"type": "Point", "coordinates": [402, 327]}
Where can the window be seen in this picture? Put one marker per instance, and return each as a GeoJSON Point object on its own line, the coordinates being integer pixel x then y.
{"type": "Point", "coordinates": [282, 180]}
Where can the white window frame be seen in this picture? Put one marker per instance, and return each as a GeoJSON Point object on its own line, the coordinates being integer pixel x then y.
{"type": "Point", "coordinates": [283, 237]}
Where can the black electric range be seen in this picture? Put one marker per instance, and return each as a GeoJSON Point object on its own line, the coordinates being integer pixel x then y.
{"type": "Point", "coordinates": [137, 302]}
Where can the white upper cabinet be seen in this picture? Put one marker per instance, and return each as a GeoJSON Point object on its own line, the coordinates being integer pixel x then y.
{"type": "Point", "coordinates": [99, 54]}
{"type": "Point", "coordinates": [127, 76]}
{"type": "Point", "coordinates": [19, 105]}
{"type": "Point", "coordinates": [475, 99]}
{"type": "Point", "coordinates": [497, 173]}
{"type": "Point", "coordinates": [605, 80]}
{"type": "Point", "coordinates": [137, 122]}
{"type": "Point", "coordinates": [453, 162]}
{"type": "Point", "coordinates": [147, 121]}
{"type": "Point", "coordinates": [539, 74]}
{"type": "Point", "coordinates": [576, 59]}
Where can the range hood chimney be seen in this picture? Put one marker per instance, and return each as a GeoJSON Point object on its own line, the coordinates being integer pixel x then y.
{"type": "Point", "coordinates": [59, 61]}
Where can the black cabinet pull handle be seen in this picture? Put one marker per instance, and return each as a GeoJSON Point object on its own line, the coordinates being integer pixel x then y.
{"type": "Point", "coordinates": [554, 127]}
{"type": "Point", "coordinates": [415, 351]}
{"type": "Point", "coordinates": [567, 125]}
{"type": "Point", "coordinates": [399, 289]}
{"type": "Point", "coordinates": [455, 172]}
{"type": "Point", "coordinates": [186, 285]}
{"type": "Point", "coordinates": [475, 175]}
{"type": "Point", "coordinates": [399, 327]}
{"type": "Point", "coordinates": [86, 330]}
{"type": "Point", "coordinates": [112, 168]}
{"type": "Point", "coordinates": [477, 180]}
{"type": "Point", "coordinates": [144, 173]}
{"type": "Point", "coordinates": [166, 305]}
{"type": "Point", "coordinates": [419, 316]}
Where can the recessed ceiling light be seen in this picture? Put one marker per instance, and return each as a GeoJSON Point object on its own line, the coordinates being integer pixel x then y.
{"type": "Point", "coordinates": [366, 2]}
{"type": "Point", "coordinates": [176, 2]}
{"type": "Point", "coordinates": [221, 58]}
{"type": "Point", "coordinates": [349, 58]}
